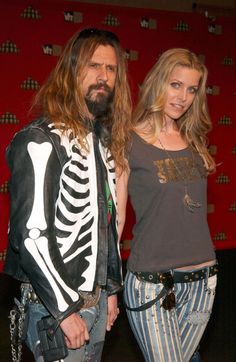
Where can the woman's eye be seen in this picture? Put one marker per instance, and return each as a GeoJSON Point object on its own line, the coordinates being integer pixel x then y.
{"type": "Point", "coordinates": [192, 90]}
{"type": "Point", "coordinates": [175, 85]}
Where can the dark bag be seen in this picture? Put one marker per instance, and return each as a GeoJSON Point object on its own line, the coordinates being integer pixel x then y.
{"type": "Point", "coordinates": [52, 339]}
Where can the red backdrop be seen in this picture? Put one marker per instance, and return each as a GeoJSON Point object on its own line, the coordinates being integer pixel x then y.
{"type": "Point", "coordinates": [32, 34]}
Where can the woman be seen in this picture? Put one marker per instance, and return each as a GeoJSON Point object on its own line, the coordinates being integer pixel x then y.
{"type": "Point", "coordinates": [171, 272]}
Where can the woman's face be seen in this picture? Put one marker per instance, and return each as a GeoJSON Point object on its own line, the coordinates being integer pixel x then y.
{"type": "Point", "coordinates": [181, 90]}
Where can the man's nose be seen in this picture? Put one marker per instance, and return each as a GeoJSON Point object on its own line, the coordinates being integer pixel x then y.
{"type": "Point", "coordinates": [103, 75]}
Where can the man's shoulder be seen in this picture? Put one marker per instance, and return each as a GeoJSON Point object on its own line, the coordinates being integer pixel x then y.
{"type": "Point", "coordinates": [40, 123]}
{"type": "Point", "coordinates": [38, 132]}
{"type": "Point", "coordinates": [37, 129]}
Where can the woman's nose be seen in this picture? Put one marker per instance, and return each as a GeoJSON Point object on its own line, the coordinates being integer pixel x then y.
{"type": "Point", "coordinates": [183, 94]}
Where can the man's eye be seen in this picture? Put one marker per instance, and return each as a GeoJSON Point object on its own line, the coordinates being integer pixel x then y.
{"type": "Point", "coordinates": [111, 68]}
{"type": "Point", "coordinates": [93, 65]}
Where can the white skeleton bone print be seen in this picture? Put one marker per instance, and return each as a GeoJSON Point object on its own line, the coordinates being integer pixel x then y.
{"type": "Point", "coordinates": [75, 218]}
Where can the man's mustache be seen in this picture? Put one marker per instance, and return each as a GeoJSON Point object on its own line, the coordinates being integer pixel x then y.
{"type": "Point", "coordinates": [98, 86]}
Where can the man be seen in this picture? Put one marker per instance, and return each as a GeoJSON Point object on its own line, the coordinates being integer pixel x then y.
{"type": "Point", "coordinates": [63, 229]}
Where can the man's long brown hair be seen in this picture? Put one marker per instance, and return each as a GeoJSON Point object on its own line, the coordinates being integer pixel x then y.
{"type": "Point", "coordinates": [61, 100]}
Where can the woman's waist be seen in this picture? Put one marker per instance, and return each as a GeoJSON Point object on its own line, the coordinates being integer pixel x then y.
{"type": "Point", "coordinates": [179, 275]}
{"type": "Point", "coordinates": [145, 257]}
{"type": "Point", "coordinates": [197, 266]}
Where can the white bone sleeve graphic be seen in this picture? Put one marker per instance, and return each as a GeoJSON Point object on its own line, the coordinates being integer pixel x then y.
{"type": "Point", "coordinates": [36, 244]}
{"type": "Point", "coordinates": [38, 248]}
{"type": "Point", "coordinates": [39, 154]}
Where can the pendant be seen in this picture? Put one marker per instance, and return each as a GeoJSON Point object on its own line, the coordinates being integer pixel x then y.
{"type": "Point", "coordinates": [189, 203]}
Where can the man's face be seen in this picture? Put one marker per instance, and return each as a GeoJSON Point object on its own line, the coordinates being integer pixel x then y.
{"type": "Point", "coordinates": [99, 80]}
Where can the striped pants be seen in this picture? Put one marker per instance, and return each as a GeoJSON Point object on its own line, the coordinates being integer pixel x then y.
{"type": "Point", "coordinates": [169, 336]}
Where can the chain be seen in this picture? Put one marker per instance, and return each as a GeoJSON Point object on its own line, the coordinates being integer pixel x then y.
{"type": "Point", "coordinates": [183, 177]}
{"type": "Point", "coordinates": [17, 318]}
{"type": "Point", "coordinates": [187, 201]}
{"type": "Point", "coordinates": [16, 350]}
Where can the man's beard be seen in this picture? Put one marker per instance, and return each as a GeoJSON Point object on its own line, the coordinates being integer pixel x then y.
{"type": "Point", "coordinates": [101, 104]}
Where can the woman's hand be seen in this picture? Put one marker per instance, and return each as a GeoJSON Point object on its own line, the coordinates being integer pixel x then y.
{"type": "Point", "coordinates": [112, 311]}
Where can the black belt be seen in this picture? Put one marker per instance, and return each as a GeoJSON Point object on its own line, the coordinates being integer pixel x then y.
{"type": "Point", "coordinates": [29, 293]}
{"type": "Point", "coordinates": [90, 298]}
{"type": "Point", "coordinates": [179, 276]}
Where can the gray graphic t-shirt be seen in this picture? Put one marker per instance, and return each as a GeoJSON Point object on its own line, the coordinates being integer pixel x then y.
{"type": "Point", "coordinates": [167, 234]}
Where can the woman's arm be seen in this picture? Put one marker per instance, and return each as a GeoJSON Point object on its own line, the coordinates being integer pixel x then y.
{"type": "Point", "coordinates": [122, 196]}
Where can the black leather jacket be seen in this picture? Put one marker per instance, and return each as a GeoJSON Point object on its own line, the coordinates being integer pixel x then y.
{"type": "Point", "coordinates": [53, 235]}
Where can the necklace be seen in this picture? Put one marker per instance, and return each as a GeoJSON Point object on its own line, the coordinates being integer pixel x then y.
{"type": "Point", "coordinates": [187, 200]}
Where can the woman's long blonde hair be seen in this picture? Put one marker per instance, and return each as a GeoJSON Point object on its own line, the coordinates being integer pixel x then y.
{"type": "Point", "coordinates": [195, 123]}
{"type": "Point", "coordinates": [61, 99]}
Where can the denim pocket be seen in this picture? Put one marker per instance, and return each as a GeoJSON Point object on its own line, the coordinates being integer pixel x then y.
{"type": "Point", "coordinates": [211, 283]}
{"type": "Point", "coordinates": [36, 312]}
{"type": "Point", "coordinates": [90, 316]}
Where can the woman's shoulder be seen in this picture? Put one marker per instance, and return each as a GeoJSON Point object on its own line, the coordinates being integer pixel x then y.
{"type": "Point", "coordinates": [138, 136]}
{"type": "Point", "coordinates": [136, 141]}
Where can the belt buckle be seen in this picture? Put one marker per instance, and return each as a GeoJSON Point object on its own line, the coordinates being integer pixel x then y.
{"type": "Point", "coordinates": [28, 293]}
{"type": "Point", "coordinates": [90, 298]}
{"type": "Point", "coordinates": [167, 279]}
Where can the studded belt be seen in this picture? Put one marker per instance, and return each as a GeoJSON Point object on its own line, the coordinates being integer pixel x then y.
{"type": "Point", "coordinates": [90, 298]}
{"type": "Point", "coordinates": [29, 294]}
{"type": "Point", "coordinates": [179, 276]}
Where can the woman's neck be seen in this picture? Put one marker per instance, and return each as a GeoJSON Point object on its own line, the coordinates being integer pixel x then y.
{"type": "Point", "coordinates": [169, 126]}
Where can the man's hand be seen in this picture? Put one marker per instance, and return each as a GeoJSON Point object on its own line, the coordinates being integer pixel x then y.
{"type": "Point", "coordinates": [75, 330]}
{"type": "Point", "coordinates": [113, 311]}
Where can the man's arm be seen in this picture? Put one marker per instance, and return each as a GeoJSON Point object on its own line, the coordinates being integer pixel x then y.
{"type": "Point", "coordinates": [34, 185]}
{"type": "Point", "coordinates": [75, 330]}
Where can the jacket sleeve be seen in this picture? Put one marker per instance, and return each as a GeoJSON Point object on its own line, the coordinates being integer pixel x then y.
{"type": "Point", "coordinates": [114, 270]}
{"type": "Point", "coordinates": [34, 186]}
